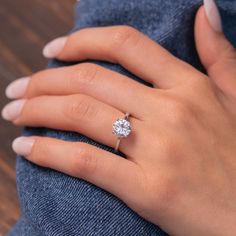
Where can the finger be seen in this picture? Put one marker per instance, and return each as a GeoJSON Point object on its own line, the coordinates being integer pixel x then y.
{"type": "Point", "coordinates": [216, 53]}
{"type": "Point", "coordinates": [104, 169]}
{"type": "Point", "coordinates": [77, 113]}
{"type": "Point", "coordinates": [87, 78]}
{"type": "Point", "coordinates": [126, 46]}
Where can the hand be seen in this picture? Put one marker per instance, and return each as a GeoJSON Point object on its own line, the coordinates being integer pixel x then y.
{"type": "Point", "coordinates": [180, 170]}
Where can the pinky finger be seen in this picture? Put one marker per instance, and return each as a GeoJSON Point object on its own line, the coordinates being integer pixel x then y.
{"type": "Point", "coordinates": [114, 174]}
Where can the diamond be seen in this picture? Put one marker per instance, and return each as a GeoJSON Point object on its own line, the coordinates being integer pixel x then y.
{"type": "Point", "coordinates": [121, 128]}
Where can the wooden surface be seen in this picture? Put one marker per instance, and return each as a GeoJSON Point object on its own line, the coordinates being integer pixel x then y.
{"type": "Point", "coordinates": [25, 26]}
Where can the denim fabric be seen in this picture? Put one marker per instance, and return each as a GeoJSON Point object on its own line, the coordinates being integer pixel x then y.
{"type": "Point", "coordinates": [55, 204]}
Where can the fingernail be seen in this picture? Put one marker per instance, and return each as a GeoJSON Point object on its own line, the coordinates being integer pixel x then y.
{"type": "Point", "coordinates": [53, 48]}
{"type": "Point", "coordinates": [213, 15]}
{"type": "Point", "coordinates": [13, 109]}
{"type": "Point", "coordinates": [17, 88]}
{"type": "Point", "coordinates": [23, 145]}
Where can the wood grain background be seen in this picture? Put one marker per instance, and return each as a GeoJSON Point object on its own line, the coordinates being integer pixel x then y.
{"type": "Point", "coordinates": [25, 27]}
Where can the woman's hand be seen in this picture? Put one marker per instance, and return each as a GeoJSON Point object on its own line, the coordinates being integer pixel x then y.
{"type": "Point", "coordinates": [180, 170]}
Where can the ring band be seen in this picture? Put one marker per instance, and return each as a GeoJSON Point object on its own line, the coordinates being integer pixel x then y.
{"type": "Point", "coordinates": [122, 129]}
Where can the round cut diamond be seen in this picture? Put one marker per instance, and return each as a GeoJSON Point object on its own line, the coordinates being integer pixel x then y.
{"type": "Point", "coordinates": [121, 128]}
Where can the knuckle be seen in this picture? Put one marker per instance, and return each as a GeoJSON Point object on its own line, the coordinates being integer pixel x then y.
{"type": "Point", "coordinates": [83, 76]}
{"type": "Point", "coordinates": [80, 107]}
{"type": "Point", "coordinates": [125, 35]}
{"type": "Point", "coordinates": [84, 163]}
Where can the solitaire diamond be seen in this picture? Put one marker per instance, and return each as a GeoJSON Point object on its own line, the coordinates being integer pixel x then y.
{"type": "Point", "coordinates": [121, 128]}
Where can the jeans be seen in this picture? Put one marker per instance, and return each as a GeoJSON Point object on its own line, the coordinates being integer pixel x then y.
{"type": "Point", "coordinates": [53, 203]}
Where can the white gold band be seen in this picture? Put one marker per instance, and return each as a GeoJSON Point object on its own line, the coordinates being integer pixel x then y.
{"type": "Point", "coordinates": [122, 129]}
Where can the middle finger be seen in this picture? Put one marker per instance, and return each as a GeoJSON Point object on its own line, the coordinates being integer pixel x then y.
{"type": "Point", "coordinates": [105, 85]}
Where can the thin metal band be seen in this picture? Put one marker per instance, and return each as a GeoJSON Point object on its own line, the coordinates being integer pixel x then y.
{"type": "Point", "coordinates": [117, 144]}
{"type": "Point", "coordinates": [119, 139]}
{"type": "Point", "coordinates": [127, 116]}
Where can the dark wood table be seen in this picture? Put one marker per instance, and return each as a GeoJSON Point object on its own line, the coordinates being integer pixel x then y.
{"type": "Point", "coordinates": [25, 27]}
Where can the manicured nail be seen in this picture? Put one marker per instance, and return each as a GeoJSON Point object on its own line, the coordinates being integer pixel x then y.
{"type": "Point", "coordinates": [23, 145]}
{"type": "Point", "coordinates": [13, 109]}
{"type": "Point", "coordinates": [17, 88]}
{"type": "Point", "coordinates": [53, 48]}
{"type": "Point", "coordinates": [213, 15]}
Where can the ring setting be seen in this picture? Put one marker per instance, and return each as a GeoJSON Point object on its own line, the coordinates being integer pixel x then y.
{"type": "Point", "coordinates": [121, 128]}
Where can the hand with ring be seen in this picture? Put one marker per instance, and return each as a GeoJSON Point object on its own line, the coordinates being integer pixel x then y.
{"type": "Point", "coordinates": [178, 136]}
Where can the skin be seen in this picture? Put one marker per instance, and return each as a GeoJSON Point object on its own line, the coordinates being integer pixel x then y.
{"type": "Point", "coordinates": [180, 165]}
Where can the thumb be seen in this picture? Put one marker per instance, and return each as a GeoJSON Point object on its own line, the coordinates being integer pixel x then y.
{"type": "Point", "coordinates": [215, 51]}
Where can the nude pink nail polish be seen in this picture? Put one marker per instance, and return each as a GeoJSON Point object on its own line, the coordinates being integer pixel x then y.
{"type": "Point", "coordinates": [12, 110]}
{"type": "Point", "coordinates": [213, 15]}
{"type": "Point", "coordinates": [23, 145]}
{"type": "Point", "coordinates": [54, 48]}
{"type": "Point", "coordinates": [17, 88]}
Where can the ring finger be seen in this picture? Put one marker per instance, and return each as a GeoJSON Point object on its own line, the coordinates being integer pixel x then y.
{"type": "Point", "coordinates": [79, 113]}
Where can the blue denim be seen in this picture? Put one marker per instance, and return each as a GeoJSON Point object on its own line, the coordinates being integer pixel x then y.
{"type": "Point", "coordinates": [56, 204]}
